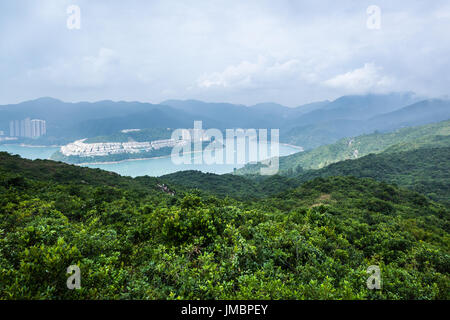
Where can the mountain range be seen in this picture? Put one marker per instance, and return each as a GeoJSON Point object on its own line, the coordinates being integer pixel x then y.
{"type": "Point", "coordinates": [309, 125]}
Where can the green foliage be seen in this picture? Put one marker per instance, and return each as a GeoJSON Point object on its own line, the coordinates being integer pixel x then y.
{"type": "Point", "coordinates": [406, 139]}
{"type": "Point", "coordinates": [424, 170]}
{"type": "Point", "coordinates": [219, 185]}
{"type": "Point", "coordinates": [132, 240]}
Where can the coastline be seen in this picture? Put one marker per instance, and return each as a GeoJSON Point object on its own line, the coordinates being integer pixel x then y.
{"type": "Point", "coordinates": [121, 161]}
{"type": "Point", "coordinates": [128, 160]}
{"type": "Point", "coordinates": [29, 145]}
{"type": "Point", "coordinates": [162, 157]}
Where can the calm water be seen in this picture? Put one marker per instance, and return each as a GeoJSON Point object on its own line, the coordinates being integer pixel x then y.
{"type": "Point", "coordinates": [29, 152]}
{"type": "Point", "coordinates": [134, 168]}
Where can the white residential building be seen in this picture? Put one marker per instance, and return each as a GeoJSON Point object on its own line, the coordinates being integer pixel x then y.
{"type": "Point", "coordinates": [27, 128]}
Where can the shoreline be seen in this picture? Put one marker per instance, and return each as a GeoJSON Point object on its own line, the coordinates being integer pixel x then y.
{"type": "Point", "coordinates": [162, 157]}
{"type": "Point", "coordinates": [121, 161]}
{"type": "Point", "coordinates": [128, 160]}
{"type": "Point", "coordinates": [29, 145]}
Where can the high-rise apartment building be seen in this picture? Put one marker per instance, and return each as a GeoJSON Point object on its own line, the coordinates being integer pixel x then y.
{"type": "Point", "coordinates": [27, 128]}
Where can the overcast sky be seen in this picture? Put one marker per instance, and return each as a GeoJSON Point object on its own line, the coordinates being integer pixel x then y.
{"type": "Point", "coordinates": [240, 51]}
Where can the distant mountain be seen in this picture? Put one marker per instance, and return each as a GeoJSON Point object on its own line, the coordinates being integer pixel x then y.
{"type": "Point", "coordinates": [271, 109]}
{"type": "Point", "coordinates": [261, 115]}
{"type": "Point", "coordinates": [356, 108]}
{"type": "Point", "coordinates": [62, 117]}
{"type": "Point", "coordinates": [309, 126]}
{"type": "Point", "coordinates": [273, 115]}
{"type": "Point", "coordinates": [305, 108]}
{"type": "Point", "coordinates": [233, 115]}
{"type": "Point", "coordinates": [157, 117]}
{"type": "Point", "coordinates": [422, 112]}
{"type": "Point", "coordinates": [274, 109]}
{"type": "Point", "coordinates": [54, 111]}
{"type": "Point", "coordinates": [69, 121]}
{"type": "Point", "coordinates": [320, 132]}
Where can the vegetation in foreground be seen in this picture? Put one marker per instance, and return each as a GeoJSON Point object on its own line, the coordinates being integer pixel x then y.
{"type": "Point", "coordinates": [132, 240]}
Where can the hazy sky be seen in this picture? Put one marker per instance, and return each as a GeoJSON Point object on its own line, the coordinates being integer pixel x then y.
{"type": "Point", "coordinates": [240, 51]}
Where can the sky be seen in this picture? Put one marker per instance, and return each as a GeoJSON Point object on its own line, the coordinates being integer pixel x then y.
{"type": "Point", "coordinates": [285, 51]}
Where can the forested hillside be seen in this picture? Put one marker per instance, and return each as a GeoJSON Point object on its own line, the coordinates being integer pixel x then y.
{"type": "Point", "coordinates": [424, 170]}
{"type": "Point", "coordinates": [432, 135]}
{"type": "Point", "coordinates": [133, 239]}
{"type": "Point", "coordinates": [238, 187]}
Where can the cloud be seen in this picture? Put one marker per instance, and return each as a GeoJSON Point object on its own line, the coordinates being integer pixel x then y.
{"type": "Point", "coordinates": [365, 79]}
{"type": "Point", "coordinates": [85, 71]}
{"type": "Point", "coordinates": [291, 52]}
{"type": "Point", "coordinates": [263, 72]}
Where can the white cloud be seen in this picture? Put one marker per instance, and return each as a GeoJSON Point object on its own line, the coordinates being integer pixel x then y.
{"type": "Point", "coordinates": [247, 74]}
{"type": "Point", "coordinates": [367, 78]}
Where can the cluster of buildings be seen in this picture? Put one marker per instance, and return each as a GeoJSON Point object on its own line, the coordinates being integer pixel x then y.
{"type": "Point", "coordinates": [82, 149]}
{"type": "Point", "coordinates": [27, 128]}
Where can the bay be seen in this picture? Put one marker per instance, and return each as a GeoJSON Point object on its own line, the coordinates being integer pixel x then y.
{"type": "Point", "coordinates": [151, 167]}
{"type": "Point", "coordinates": [29, 152]}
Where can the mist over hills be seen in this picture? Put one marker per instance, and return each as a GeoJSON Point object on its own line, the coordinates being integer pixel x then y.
{"type": "Point", "coordinates": [419, 113]}
{"type": "Point", "coordinates": [318, 132]}
{"type": "Point", "coordinates": [356, 107]}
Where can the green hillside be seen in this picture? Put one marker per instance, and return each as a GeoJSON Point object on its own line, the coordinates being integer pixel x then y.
{"type": "Point", "coordinates": [419, 162]}
{"type": "Point", "coordinates": [132, 240]}
{"type": "Point", "coordinates": [229, 185]}
{"type": "Point", "coordinates": [219, 185]}
{"type": "Point", "coordinates": [424, 170]}
{"type": "Point", "coordinates": [432, 135]}
{"type": "Point", "coordinates": [61, 173]}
